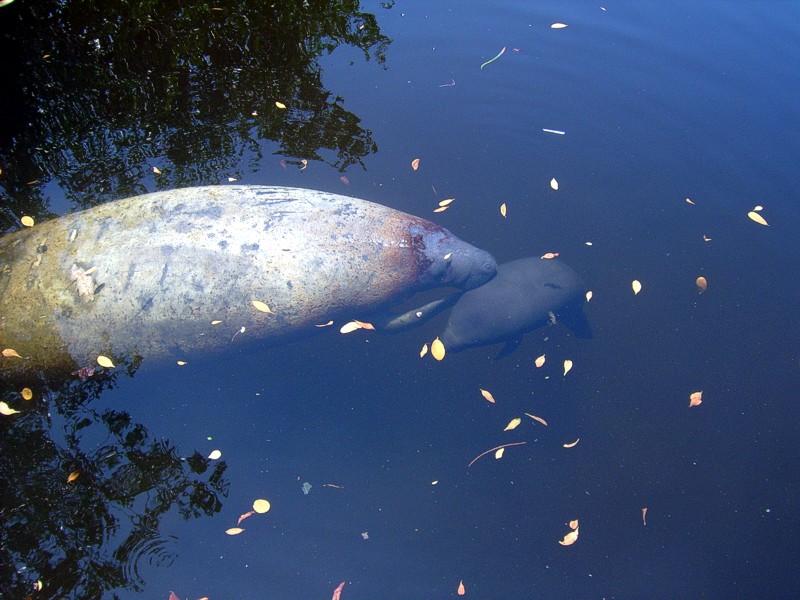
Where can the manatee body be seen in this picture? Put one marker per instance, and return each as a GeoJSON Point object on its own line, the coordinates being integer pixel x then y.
{"type": "Point", "coordinates": [525, 295]}
{"type": "Point", "coordinates": [149, 274]}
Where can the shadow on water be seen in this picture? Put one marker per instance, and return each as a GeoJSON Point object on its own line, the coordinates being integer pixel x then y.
{"type": "Point", "coordinates": [96, 94]}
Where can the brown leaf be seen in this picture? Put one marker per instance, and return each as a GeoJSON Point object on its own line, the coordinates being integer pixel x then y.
{"type": "Point", "coordinates": [702, 284]}
{"type": "Point", "coordinates": [9, 352]}
{"type": "Point", "coordinates": [73, 476]}
{"type": "Point", "coordinates": [539, 419]}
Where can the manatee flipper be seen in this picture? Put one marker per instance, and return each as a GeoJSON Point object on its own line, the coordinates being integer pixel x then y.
{"type": "Point", "coordinates": [418, 316]}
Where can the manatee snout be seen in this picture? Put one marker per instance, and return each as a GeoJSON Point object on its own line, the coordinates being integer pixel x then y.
{"type": "Point", "coordinates": [477, 267]}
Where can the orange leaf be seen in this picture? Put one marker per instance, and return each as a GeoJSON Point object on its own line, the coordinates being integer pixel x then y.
{"type": "Point", "coordinates": [461, 589]}
{"type": "Point", "coordinates": [539, 419]}
{"type": "Point", "coordinates": [488, 395]}
{"type": "Point", "coordinates": [73, 476]}
{"type": "Point", "coordinates": [415, 164]}
{"type": "Point", "coordinates": [696, 399]}
{"type": "Point", "coordinates": [337, 593]}
{"type": "Point", "coordinates": [249, 513]}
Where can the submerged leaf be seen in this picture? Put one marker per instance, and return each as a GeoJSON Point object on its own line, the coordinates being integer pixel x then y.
{"type": "Point", "coordinates": [261, 306]}
{"type": "Point", "coordinates": [73, 476]}
{"type": "Point", "coordinates": [702, 284]}
{"type": "Point", "coordinates": [27, 393]}
{"type": "Point", "coordinates": [9, 352]}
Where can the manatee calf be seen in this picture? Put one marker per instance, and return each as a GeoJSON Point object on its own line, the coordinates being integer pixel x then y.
{"type": "Point", "coordinates": [149, 274]}
{"type": "Point", "coordinates": [524, 295]}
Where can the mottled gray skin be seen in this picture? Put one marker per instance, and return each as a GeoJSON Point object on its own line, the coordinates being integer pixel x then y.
{"type": "Point", "coordinates": [148, 274]}
{"type": "Point", "coordinates": [525, 295]}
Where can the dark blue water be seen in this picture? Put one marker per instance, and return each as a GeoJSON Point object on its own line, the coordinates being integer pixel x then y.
{"type": "Point", "coordinates": [659, 102]}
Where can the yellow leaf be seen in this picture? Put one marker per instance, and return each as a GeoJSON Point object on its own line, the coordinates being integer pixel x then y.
{"type": "Point", "coordinates": [216, 322]}
{"type": "Point", "coordinates": [588, 295]}
{"type": "Point", "coordinates": [437, 349]}
{"type": "Point", "coordinates": [104, 361]}
{"type": "Point", "coordinates": [570, 538]}
{"type": "Point", "coordinates": [554, 183]}
{"type": "Point", "coordinates": [446, 201]}
{"type": "Point", "coordinates": [27, 393]}
{"type": "Point", "coordinates": [9, 352]}
{"type": "Point", "coordinates": [702, 284]}
{"type": "Point", "coordinates": [350, 327]}
{"type": "Point", "coordinates": [487, 394]}
{"type": "Point", "coordinates": [415, 164]}
{"type": "Point", "coordinates": [261, 506]}
{"type": "Point", "coordinates": [513, 424]}
{"type": "Point", "coordinates": [572, 444]}
{"type": "Point", "coordinates": [328, 324]}
{"type": "Point", "coordinates": [499, 453]}
{"type": "Point", "coordinates": [539, 362]}
{"type": "Point", "coordinates": [573, 524]}
{"type": "Point", "coordinates": [503, 209]}
{"type": "Point", "coordinates": [440, 209]}
{"type": "Point", "coordinates": [234, 531]}
{"type": "Point", "coordinates": [156, 170]}
{"type": "Point", "coordinates": [5, 409]}
{"type": "Point", "coordinates": [757, 218]}
{"type": "Point", "coordinates": [539, 419]}
{"type": "Point", "coordinates": [637, 286]}
{"type": "Point", "coordinates": [27, 221]}
{"type": "Point", "coordinates": [73, 476]}
{"type": "Point", "coordinates": [280, 105]}
{"type": "Point", "coordinates": [558, 26]}
{"type": "Point", "coordinates": [181, 363]}
{"type": "Point", "coordinates": [215, 454]}
{"type": "Point", "coordinates": [567, 366]}
{"type": "Point", "coordinates": [261, 306]}
{"type": "Point", "coordinates": [696, 399]}
{"type": "Point", "coordinates": [424, 350]}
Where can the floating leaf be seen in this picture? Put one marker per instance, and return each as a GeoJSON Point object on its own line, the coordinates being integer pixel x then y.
{"type": "Point", "coordinates": [446, 201]}
{"type": "Point", "coordinates": [539, 419]}
{"type": "Point", "coordinates": [280, 105]}
{"type": "Point", "coordinates": [503, 209]}
{"type": "Point", "coordinates": [10, 352]}
{"type": "Point", "coordinates": [156, 170]}
{"type": "Point", "coordinates": [328, 324]}
{"type": "Point", "coordinates": [73, 476]}
{"type": "Point", "coordinates": [5, 409]}
{"type": "Point", "coordinates": [567, 366]}
{"type": "Point", "coordinates": [261, 506]}
{"type": "Point", "coordinates": [27, 221]}
{"type": "Point", "coordinates": [549, 256]}
{"type": "Point", "coordinates": [424, 350]}
{"type": "Point", "coordinates": [440, 209]}
{"type": "Point", "coordinates": [304, 164]}
{"type": "Point", "coordinates": [706, 238]}
{"type": "Point", "coordinates": [588, 295]}
{"type": "Point", "coordinates": [644, 516]}
{"type": "Point", "coordinates": [491, 60]}
{"type": "Point", "coordinates": [216, 322]}
{"type": "Point", "coordinates": [232, 179]}
{"type": "Point", "coordinates": [513, 424]}
{"type": "Point", "coordinates": [27, 393]}
{"type": "Point", "coordinates": [558, 26]}
{"type": "Point", "coordinates": [415, 164]}
{"type": "Point", "coordinates": [702, 284]}
{"type": "Point", "coordinates": [234, 531]}
{"type": "Point", "coordinates": [261, 306]}
{"type": "Point", "coordinates": [365, 325]}
{"type": "Point", "coordinates": [689, 201]}
{"type": "Point", "coordinates": [461, 589]}
{"type": "Point", "coordinates": [437, 349]}
{"type": "Point", "coordinates": [573, 524]}
{"type": "Point", "coordinates": [344, 180]}
{"type": "Point", "coordinates": [181, 363]}
{"type": "Point", "coordinates": [572, 444]}
{"type": "Point", "coordinates": [556, 131]}
{"type": "Point", "coordinates": [488, 395]}
{"type": "Point", "coordinates": [757, 218]}
{"type": "Point", "coordinates": [337, 593]}
{"type": "Point", "coordinates": [104, 361]}
{"type": "Point", "coordinates": [539, 362]}
{"type": "Point", "coordinates": [637, 286]}
{"type": "Point", "coordinates": [758, 207]}
{"type": "Point", "coordinates": [499, 453]}
{"type": "Point", "coordinates": [350, 327]}
{"type": "Point", "coordinates": [215, 454]}
{"type": "Point", "coordinates": [365, 535]}
{"type": "Point", "coordinates": [570, 538]}
{"type": "Point", "coordinates": [696, 399]}
{"type": "Point", "coordinates": [246, 515]}
{"type": "Point", "coordinates": [447, 256]}
{"type": "Point", "coordinates": [554, 183]}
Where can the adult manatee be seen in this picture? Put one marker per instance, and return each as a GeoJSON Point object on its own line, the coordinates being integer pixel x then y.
{"type": "Point", "coordinates": [149, 274]}
{"type": "Point", "coordinates": [525, 295]}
